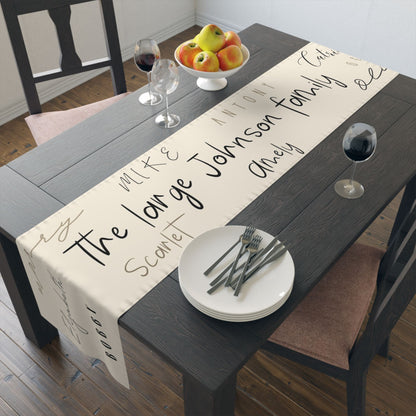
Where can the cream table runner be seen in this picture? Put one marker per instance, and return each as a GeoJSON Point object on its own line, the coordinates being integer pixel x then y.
{"type": "Point", "coordinates": [91, 261]}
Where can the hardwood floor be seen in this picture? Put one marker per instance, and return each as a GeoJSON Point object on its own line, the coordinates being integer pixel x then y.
{"type": "Point", "coordinates": [58, 380]}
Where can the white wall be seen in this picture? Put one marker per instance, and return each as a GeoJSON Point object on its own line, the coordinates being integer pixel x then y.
{"type": "Point", "coordinates": [136, 19]}
{"type": "Point", "coordinates": [379, 31]}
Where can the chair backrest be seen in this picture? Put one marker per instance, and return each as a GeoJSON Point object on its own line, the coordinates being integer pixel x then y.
{"type": "Point", "coordinates": [396, 285]}
{"type": "Point", "coordinates": [60, 13]}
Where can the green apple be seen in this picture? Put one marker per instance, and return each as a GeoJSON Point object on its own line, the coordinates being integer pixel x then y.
{"type": "Point", "coordinates": [211, 38]}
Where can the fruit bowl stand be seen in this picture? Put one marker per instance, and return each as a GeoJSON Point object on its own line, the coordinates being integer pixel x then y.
{"type": "Point", "coordinates": [213, 81]}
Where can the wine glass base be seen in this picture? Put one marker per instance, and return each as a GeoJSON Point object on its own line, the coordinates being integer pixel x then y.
{"type": "Point", "coordinates": [211, 84]}
{"type": "Point", "coordinates": [348, 189]}
{"type": "Point", "coordinates": [167, 122]}
{"type": "Point", "coordinates": [150, 99]}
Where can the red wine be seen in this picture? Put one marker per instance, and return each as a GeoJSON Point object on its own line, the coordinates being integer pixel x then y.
{"type": "Point", "coordinates": [359, 148]}
{"type": "Point", "coordinates": [145, 61]}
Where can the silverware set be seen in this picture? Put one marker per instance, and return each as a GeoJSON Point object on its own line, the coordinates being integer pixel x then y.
{"type": "Point", "coordinates": [248, 242]}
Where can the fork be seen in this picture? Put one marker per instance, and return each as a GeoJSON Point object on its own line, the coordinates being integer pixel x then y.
{"type": "Point", "coordinates": [220, 279]}
{"type": "Point", "coordinates": [253, 248]}
{"type": "Point", "coordinates": [256, 258]}
{"type": "Point", "coordinates": [280, 249]}
{"type": "Point", "coordinates": [245, 240]}
{"type": "Point", "coordinates": [249, 229]}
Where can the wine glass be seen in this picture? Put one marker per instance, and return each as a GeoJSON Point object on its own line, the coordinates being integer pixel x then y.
{"type": "Point", "coordinates": [359, 144]}
{"type": "Point", "coordinates": [146, 53]}
{"type": "Point", "coordinates": [165, 80]}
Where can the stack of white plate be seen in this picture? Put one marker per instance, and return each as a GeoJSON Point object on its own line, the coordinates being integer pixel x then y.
{"type": "Point", "coordinates": [261, 295]}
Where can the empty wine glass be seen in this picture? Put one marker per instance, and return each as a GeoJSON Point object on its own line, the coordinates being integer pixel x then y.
{"type": "Point", "coordinates": [146, 53]}
{"type": "Point", "coordinates": [359, 144]}
{"type": "Point", "coordinates": [165, 77]}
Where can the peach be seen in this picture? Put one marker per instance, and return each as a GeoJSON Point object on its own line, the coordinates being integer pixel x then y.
{"type": "Point", "coordinates": [187, 52]}
{"type": "Point", "coordinates": [231, 38]}
{"type": "Point", "coordinates": [230, 57]}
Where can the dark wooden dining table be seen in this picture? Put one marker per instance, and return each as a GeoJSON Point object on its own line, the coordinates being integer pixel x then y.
{"type": "Point", "coordinates": [301, 207]}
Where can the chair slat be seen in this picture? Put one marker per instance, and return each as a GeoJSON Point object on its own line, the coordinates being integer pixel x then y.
{"type": "Point", "coordinates": [69, 58]}
{"type": "Point", "coordinates": [57, 72]}
{"type": "Point", "coordinates": [397, 287]}
{"type": "Point", "coordinates": [407, 269]}
{"type": "Point", "coordinates": [70, 62]}
{"type": "Point", "coordinates": [30, 6]}
{"type": "Point", "coordinates": [399, 244]}
{"type": "Point", "coordinates": [21, 56]}
{"type": "Point", "coordinates": [113, 46]}
{"type": "Point", "coordinates": [408, 197]}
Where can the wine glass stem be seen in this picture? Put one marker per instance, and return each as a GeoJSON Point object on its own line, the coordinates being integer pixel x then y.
{"type": "Point", "coordinates": [149, 83]}
{"type": "Point", "coordinates": [167, 108]}
{"type": "Point", "coordinates": [354, 165]}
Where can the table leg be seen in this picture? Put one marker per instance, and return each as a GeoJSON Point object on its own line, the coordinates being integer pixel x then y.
{"type": "Point", "coordinates": [35, 327]}
{"type": "Point", "coordinates": [199, 401]}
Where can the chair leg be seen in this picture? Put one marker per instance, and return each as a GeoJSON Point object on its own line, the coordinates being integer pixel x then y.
{"type": "Point", "coordinates": [384, 349]}
{"type": "Point", "coordinates": [356, 389]}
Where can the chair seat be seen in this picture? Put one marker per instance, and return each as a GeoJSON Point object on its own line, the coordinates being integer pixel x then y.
{"type": "Point", "coordinates": [327, 322]}
{"type": "Point", "coordinates": [45, 126]}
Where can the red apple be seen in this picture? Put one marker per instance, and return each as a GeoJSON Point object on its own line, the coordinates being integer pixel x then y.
{"type": "Point", "coordinates": [206, 61]}
{"type": "Point", "coordinates": [230, 57]}
{"type": "Point", "coordinates": [187, 52]}
{"type": "Point", "coordinates": [231, 38]}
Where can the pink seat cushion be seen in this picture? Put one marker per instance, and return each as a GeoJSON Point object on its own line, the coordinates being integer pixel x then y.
{"type": "Point", "coordinates": [45, 126]}
{"type": "Point", "coordinates": [327, 322]}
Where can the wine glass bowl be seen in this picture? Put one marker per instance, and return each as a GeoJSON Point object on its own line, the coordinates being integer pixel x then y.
{"type": "Point", "coordinates": [359, 144]}
{"type": "Point", "coordinates": [165, 80]}
{"type": "Point", "coordinates": [213, 81]}
{"type": "Point", "coordinates": [146, 53]}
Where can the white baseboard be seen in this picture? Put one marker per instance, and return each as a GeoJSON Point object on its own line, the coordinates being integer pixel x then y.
{"type": "Point", "coordinates": [204, 19]}
{"type": "Point", "coordinates": [67, 83]}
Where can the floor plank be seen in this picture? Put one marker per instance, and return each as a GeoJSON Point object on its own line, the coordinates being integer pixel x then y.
{"type": "Point", "coordinates": [56, 397]}
{"type": "Point", "coordinates": [292, 385]}
{"type": "Point", "coordinates": [5, 409]}
{"type": "Point", "coordinates": [19, 397]}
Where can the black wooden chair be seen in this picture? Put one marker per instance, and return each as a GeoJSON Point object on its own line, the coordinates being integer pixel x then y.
{"type": "Point", "coordinates": [45, 126]}
{"type": "Point", "coordinates": [326, 331]}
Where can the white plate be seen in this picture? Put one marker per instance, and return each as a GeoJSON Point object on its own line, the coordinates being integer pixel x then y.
{"type": "Point", "coordinates": [261, 295]}
{"type": "Point", "coordinates": [233, 318]}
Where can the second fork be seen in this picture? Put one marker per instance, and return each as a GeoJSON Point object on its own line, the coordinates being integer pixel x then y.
{"type": "Point", "coordinates": [245, 240]}
{"type": "Point", "coordinates": [253, 247]}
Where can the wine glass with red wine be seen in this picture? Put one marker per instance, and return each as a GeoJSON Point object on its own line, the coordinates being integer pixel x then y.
{"type": "Point", "coordinates": [146, 53]}
{"type": "Point", "coordinates": [165, 79]}
{"type": "Point", "coordinates": [359, 144]}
